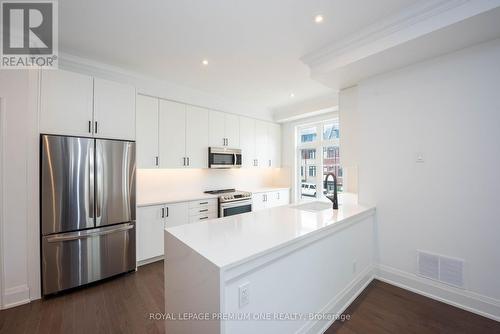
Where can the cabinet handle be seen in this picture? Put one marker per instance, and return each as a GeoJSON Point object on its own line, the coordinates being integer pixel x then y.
{"type": "Point", "coordinates": [269, 163]}
{"type": "Point", "coordinates": [167, 211]}
{"type": "Point", "coordinates": [156, 161]}
{"type": "Point", "coordinates": [278, 195]}
{"type": "Point", "coordinates": [162, 212]}
{"type": "Point", "coordinates": [201, 218]}
{"type": "Point", "coordinates": [204, 210]}
{"type": "Point", "coordinates": [95, 127]}
{"type": "Point", "coordinates": [202, 203]}
{"type": "Point", "coordinates": [188, 160]}
{"type": "Point", "coordinates": [90, 126]}
{"type": "Point", "coordinates": [184, 161]}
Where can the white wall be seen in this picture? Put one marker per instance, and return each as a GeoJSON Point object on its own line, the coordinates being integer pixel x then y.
{"type": "Point", "coordinates": [14, 88]}
{"type": "Point", "coordinates": [447, 109]}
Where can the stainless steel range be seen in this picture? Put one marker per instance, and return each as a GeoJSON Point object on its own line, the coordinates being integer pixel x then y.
{"type": "Point", "coordinates": [233, 202]}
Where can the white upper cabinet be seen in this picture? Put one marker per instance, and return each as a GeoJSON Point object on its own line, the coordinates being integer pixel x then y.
{"type": "Point", "coordinates": [172, 134]}
{"type": "Point", "coordinates": [66, 103]}
{"type": "Point", "coordinates": [232, 130]}
{"type": "Point", "coordinates": [147, 132]}
{"type": "Point", "coordinates": [224, 129]}
{"type": "Point", "coordinates": [114, 110]}
{"type": "Point", "coordinates": [247, 141]}
{"type": "Point", "coordinates": [196, 137]}
{"type": "Point", "coordinates": [261, 144]}
{"type": "Point", "coordinates": [274, 138]}
{"type": "Point", "coordinates": [216, 125]}
{"type": "Point", "coordinates": [79, 105]}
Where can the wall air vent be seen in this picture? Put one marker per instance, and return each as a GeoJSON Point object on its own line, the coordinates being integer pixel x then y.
{"type": "Point", "coordinates": [441, 268]}
{"type": "Point", "coordinates": [428, 265]}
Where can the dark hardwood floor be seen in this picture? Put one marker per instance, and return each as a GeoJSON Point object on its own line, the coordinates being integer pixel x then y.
{"type": "Point", "coordinates": [123, 305]}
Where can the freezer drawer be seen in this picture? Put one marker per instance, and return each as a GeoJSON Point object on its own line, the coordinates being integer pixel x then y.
{"type": "Point", "coordinates": [76, 258]}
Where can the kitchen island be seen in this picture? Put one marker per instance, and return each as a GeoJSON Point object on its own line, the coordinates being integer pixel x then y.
{"type": "Point", "coordinates": [282, 270]}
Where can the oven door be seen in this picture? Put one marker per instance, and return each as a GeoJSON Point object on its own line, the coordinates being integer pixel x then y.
{"type": "Point", "coordinates": [224, 158]}
{"type": "Point", "coordinates": [235, 208]}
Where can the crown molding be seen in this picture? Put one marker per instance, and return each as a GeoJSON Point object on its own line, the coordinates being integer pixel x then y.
{"type": "Point", "coordinates": [415, 21]}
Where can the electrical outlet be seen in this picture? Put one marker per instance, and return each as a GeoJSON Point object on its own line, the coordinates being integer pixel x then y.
{"type": "Point", "coordinates": [244, 294]}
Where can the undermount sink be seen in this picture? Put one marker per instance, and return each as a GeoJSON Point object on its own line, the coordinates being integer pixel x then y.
{"type": "Point", "coordinates": [314, 206]}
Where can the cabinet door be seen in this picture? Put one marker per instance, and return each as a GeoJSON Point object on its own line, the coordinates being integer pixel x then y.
{"type": "Point", "coordinates": [259, 201]}
{"type": "Point", "coordinates": [274, 145]}
{"type": "Point", "coordinates": [66, 103]}
{"type": "Point", "coordinates": [232, 130]}
{"type": "Point", "coordinates": [283, 197]}
{"type": "Point", "coordinates": [197, 137]}
{"type": "Point", "coordinates": [150, 225]}
{"type": "Point", "coordinates": [176, 214]}
{"type": "Point", "coordinates": [261, 144]}
{"type": "Point", "coordinates": [247, 141]}
{"type": "Point", "coordinates": [172, 134]}
{"type": "Point", "coordinates": [114, 110]}
{"type": "Point", "coordinates": [147, 132]}
{"type": "Point", "coordinates": [216, 121]}
{"type": "Point", "coordinates": [278, 198]}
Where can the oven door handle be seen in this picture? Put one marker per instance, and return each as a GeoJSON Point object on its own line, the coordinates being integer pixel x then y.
{"type": "Point", "coordinates": [235, 203]}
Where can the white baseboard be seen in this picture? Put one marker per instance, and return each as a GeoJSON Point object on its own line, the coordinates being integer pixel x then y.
{"type": "Point", "coordinates": [340, 302]}
{"type": "Point", "coordinates": [464, 299]}
{"type": "Point", "coordinates": [16, 296]}
{"type": "Point", "coordinates": [151, 260]}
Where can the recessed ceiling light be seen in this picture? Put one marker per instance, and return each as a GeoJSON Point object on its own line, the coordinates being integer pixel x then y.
{"type": "Point", "coordinates": [292, 95]}
{"type": "Point", "coordinates": [318, 18]}
{"type": "Point", "coordinates": [204, 62]}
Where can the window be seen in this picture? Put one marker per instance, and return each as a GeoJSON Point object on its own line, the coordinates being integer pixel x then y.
{"type": "Point", "coordinates": [308, 135]}
{"type": "Point", "coordinates": [312, 170]}
{"type": "Point", "coordinates": [327, 145]}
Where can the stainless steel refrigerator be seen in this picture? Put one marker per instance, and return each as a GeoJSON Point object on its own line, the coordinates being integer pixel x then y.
{"type": "Point", "coordinates": [87, 201]}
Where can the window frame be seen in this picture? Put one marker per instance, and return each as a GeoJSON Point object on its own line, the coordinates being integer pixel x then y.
{"type": "Point", "coordinates": [319, 144]}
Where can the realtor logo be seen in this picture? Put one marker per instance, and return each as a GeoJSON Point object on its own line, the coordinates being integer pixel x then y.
{"type": "Point", "coordinates": [29, 34]}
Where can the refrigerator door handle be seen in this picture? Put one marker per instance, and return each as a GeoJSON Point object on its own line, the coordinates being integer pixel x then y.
{"type": "Point", "coordinates": [91, 181]}
{"type": "Point", "coordinates": [98, 183]}
{"type": "Point", "coordinates": [88, 234]}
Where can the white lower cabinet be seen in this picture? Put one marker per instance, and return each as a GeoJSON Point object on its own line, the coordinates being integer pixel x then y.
{"type": "Point", "coordinates": [259, 201]}
{"type": "Point", "coordinates": [149, 227]}
{"type": "Point", "coordinates": [270, 199]}
{"type": "Point", "coordinates": [152, 220]}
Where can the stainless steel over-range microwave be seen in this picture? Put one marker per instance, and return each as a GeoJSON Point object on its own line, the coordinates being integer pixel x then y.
{"type": "Point", "coordinates": [223, 157]}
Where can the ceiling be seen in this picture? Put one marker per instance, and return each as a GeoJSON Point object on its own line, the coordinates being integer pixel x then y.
{"type": "Point", "coordinates": [253, 47]}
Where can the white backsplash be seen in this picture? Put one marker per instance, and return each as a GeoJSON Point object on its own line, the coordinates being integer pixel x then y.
{"type": "Point", "coordinates": [157, 183]}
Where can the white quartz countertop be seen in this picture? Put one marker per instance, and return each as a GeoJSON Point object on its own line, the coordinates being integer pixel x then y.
{"type": "Point", "coordinates": [152, 199]}
{"type": "Point", "coordinates": [157, 199]}
{"type": "Point", "coordinates": [232, 240]}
